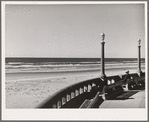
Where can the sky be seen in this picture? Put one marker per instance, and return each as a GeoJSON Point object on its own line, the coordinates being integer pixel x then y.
{"type": "Point", "coordinates": [74, 30]}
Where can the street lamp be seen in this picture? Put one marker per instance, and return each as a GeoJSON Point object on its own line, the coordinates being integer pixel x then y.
{"type": "Point", "coordinates": [139, 57]}
{"type": "Point", "coordinates": [102, 56]}
{"type": "Point", "coordinates": [139, 42]}
{"type": "Point", "coordinates": [103, 36]}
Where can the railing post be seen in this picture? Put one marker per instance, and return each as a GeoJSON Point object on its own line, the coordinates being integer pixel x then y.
{"type": "Point", "coordinates": [139, 58]}
{"type": "Point", "coordinates": [102, 57]}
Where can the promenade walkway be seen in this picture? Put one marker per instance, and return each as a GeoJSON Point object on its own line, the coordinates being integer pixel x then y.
{"type": "Point", "coordinates": [128, 99]}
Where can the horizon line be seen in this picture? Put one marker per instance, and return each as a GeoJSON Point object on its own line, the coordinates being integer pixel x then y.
{"type": "Point", "coordinates": [60, 57]}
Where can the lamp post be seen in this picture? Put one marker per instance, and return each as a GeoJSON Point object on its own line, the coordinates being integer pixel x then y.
{"type": "Point", "coordinates": [102, 57]}
{"type": "Point", "coordinates": [139, 57]}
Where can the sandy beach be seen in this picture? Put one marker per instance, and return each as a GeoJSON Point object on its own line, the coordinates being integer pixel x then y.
{"type": "Point", "coordinates": [28, 92]}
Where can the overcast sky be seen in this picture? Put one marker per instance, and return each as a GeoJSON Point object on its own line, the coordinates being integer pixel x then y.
{"type": "Point", "coordinates": [74, 30]}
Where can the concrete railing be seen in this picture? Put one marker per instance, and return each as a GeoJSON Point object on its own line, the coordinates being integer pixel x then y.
{"type": "Point", "coordinates": [74, 95]}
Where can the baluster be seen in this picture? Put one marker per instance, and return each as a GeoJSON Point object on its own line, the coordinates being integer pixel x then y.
{"type": "Point", "coordinates": [63, 100]}
{"type": "Point", "coordinates": [74, 93]}
{"type": "Point", "coordinates": [93, 85]}
{"type": "Point", "coordinates": [85, 88]}
{"type": "Point", "coordinates": [71, 94]}
{"type": "Point", "coordinates": [59, 104]}
{"type": "Point", "coordinates": [82, 90]}
{"type": "Point", "coordinates": [109, 82]}
{"type": "Point", "coordinates": [112, 81]}
{"type": "Point", "coordinates": [89, 87]}
{"type": "Point", "coordinates": [97, 84]}
{"type": "Point", "coordinates": [78, 91]}
{"type": "Point", "coordinates": [54, 106]}
{"type": "Point", "coordinates": [68, 97]}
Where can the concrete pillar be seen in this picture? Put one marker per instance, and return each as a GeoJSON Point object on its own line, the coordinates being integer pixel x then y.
{"type": "Point", "coordinates": [102, 57]}
{"type": "Point", "coordinates": [139, 58]}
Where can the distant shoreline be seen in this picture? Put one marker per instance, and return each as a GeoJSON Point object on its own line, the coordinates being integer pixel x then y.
{"type": "Point", "coordinates": [35, 75]}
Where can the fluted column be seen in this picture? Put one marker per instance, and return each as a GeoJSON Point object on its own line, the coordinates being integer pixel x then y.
{"type": "Point", "coordinates": [139, 57]}
{"type": "Point", "coordinates": [102, 56]}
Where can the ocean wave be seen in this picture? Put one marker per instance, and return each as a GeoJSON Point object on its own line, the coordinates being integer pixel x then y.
{"type": "Point", "coordinates": [10, 66]}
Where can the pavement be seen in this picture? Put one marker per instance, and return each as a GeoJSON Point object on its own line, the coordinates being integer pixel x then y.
{"type": "Point", "coordinates": [128, 99]}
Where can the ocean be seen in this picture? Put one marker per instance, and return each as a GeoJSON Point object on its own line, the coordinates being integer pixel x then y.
{"type": "Point", "coordinates": [50, 67]}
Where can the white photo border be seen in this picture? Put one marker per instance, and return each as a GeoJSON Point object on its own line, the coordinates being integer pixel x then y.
{"type": "Point", "coordinates": [72, 114]}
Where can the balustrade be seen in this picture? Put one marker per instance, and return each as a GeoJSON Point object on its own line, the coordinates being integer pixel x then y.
{"type": "Point", "coordinates": [70, 93]}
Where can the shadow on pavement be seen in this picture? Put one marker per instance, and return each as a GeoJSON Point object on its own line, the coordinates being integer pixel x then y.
{"type": "Point", "coordinates": [140, 88]}
{"type": "Point", "coordinates": [127, 94]}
